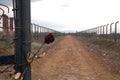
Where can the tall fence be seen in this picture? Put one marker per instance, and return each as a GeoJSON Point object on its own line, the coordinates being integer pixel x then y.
{"type": "Point", "coordinates": [20, 37]}
{"type": "Point", "coordinates": [7, 30]}
{"type": "Point", "coordinates": [38, 32]}
{"type": "Point", "coordinates": [110, 32]}
{"type": "Point", "coordinates": [6, 25]}
{"type": "Point", "coordinates": [8, 40]}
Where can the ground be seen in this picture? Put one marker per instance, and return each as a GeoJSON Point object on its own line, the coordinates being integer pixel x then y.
{"type": "Point", "coordinates": [69, 60]}
{"type": "Point", "coordinates": [73, 58]}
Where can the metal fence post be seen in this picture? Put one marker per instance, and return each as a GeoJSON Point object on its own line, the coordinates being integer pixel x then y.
{"type": "Point", "coordinates": [40, 32]}
{"type": "Point", "coordinates": [100, 32]}
{"type": "Point", "coordinates": [111, 28]}
{"type": "Point", "coordinates": [116, 31]}
{"type": "Point", "coordinates": [23, 36]}
{"type": "Point", "coordinates": [32, 35]}
{"type": "Point", "coordinates": [103, 32]}
{"type": "Point", "coordinates": [35, 32]}
{"type": "Point", "coordinates": [107, 31]}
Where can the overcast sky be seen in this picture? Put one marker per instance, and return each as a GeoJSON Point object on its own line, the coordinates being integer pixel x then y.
{"type": "Point", "coordinates": [73, 15]}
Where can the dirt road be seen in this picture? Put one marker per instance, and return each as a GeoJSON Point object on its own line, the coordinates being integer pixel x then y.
{"type": "Point", "coordinates": [68, 60]}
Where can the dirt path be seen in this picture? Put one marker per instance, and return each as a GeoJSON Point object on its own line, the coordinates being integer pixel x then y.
{"type": "Point", "coordinates": [69, 61]}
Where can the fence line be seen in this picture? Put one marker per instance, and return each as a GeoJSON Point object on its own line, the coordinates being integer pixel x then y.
{"type": "Point", "coordinates": [22, 34]}
{"type": "Point", "coordinates": [103, 32]}
{"type": "Point", "coordinates": [7, 31]}
{"type": "Point", "coordinates": [38, 32]}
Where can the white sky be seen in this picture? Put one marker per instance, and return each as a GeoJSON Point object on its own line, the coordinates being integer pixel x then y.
{"type": "Point", "coordinates": [75, 14]}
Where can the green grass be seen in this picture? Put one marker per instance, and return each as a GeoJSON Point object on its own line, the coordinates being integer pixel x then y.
{"type": "Point", "coordinates": [2, 43]}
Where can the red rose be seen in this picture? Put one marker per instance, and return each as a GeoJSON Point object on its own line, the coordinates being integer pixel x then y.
{"type": "Point", "coordinates": [49, 38]}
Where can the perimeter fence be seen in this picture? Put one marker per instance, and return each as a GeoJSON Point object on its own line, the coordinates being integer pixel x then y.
{"type": "Point", "coordinates": [108, 32]}
{"type": "Point", "coordinates": [16, 35]}
{"type": "Point", "coordinates": [7, 31]}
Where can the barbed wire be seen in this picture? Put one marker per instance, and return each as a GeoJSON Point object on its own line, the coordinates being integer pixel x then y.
{"type": "Point", "coordinates": [48, 39]}
{"type": "Point", "coordinates": [7, 68]}
{"type": "Point", "coordinates": [11, 65]}
{"type": "Point", "coordinates": [30, 59]}
{"type": "Point", "coordinates": [9, 45]}
{"type": "Point", "coordinates": [4, 70]}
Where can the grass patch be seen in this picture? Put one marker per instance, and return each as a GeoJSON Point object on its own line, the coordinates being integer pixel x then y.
{"type": "Point", "coordinates": [2, 43]}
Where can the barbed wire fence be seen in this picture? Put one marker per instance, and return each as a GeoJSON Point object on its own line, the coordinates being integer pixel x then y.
{"type": "Point", "coordinates": [38, 33]}
{"type": "Point", "coordinates": [8, 41]}
{"type": "Point", "coordinates": [108, 32]}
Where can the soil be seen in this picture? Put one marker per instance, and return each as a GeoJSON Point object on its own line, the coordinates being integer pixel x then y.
{"type": "Point", "coordinates": [74, 58]}
{"type": "Point", "coordinates": [106, 52]}
{"type": "Point", "coordinates": [70, 59]}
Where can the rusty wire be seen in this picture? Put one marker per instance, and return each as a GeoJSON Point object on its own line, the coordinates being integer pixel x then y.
{"type": "Point", "coordinates": [30, 60]}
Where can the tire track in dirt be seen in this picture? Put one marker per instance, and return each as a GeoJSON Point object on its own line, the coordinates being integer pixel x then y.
{"type": "Point", "coordinates": [68, 60]}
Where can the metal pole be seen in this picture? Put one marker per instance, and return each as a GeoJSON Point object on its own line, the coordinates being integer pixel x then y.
{"type": "Point", "coordinates": [107, 28]}
{"type": "Point", "coordinates": [11, 27]}
{"type": "Point", "coordinates": [100, 32]}
{"type": "Point", "coordinates": [116, 31]}
{"type": "Point", "coordinates": [5, 6]}
{"type": "Point", "coordinates": [2, 11]}
{"type": "Point", "coordinates": [40, 32]}
{"type": "Point", "coordinates": [23, 36]}
{"type": "Point", "coordinates": [103, 31]}
{"type": "Point", "coordinates": [37, 32]}
{"type": "Point", "coordinates": [32, 31]}
{"type": "Point", "coordinates": [107, 31]}
{"type": "Point", "coordinates": [111, 31]}
{"type": "Point", "coordinates": [111, 28]}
